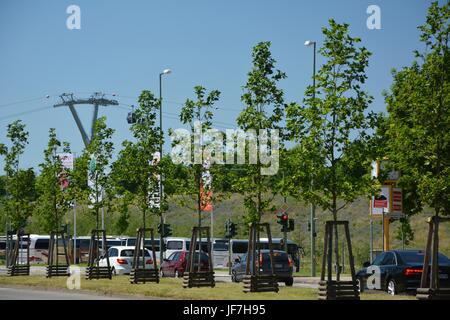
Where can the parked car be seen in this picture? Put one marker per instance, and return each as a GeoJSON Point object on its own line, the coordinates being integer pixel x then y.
{"type": "Point", "coordinates": [175, 265]}
{"type": "Point", "coordinates": [121, 259]}
{"type": "Point", "coordinates": [401, 271]}
{"type": "Point", "coordinates": [283, 266]}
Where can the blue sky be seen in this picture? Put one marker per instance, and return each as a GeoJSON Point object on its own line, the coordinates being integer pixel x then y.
{"type": "Point", "coordinates": [123, 46]}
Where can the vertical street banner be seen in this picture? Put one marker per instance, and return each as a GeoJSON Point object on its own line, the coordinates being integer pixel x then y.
{"type": "Point", "coordinates": [94, 198]}
{"type": "Point", "coordinates": [154, 197]}
{"type": "Point", "coordinates": [67, 164]}
{"type": "Point", "coordinates": [66, 160]}
{"type": "Point", "coordinates": [397, 203]}
{"type": "Point", "coordinates": [206, 188]}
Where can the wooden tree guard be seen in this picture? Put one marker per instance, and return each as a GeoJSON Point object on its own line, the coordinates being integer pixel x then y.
{"type": "Point", "coordinates": [139, 273]}
{"type": "Point", "coordinates": [194, 277]}
{"type": "Point", "coordinates": [55, 268]}
{"type": "Point", "coordinates": [93, 270]}
{"type": "Point", "coordinates": [16, 267]}
{"type": "Point", "coordinates": [336, 289]}
{"type": "Point", "coordinates": [429, 284]}
{"type": "Point", "coordinates": [254, 281]}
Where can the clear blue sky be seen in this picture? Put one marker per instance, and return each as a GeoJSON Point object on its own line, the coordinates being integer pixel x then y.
{"type": "Point", "coordinates": [123, 45]}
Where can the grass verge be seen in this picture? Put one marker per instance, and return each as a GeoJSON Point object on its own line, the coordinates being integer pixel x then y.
{"type": "Point", "coordinates": [172, 289]}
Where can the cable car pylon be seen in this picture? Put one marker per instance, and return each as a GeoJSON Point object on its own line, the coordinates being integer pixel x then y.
{"type": "Point", "coordinates": [97, 99]}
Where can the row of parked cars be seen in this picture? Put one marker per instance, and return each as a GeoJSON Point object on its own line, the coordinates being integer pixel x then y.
{"type": "Point", "coordinates": [175, 265]}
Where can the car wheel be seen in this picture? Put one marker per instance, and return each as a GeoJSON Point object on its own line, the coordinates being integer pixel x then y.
{"type": "Point", "coordinates": [360, 284]}
{"type": "Point", "coordinates": [177, 274]}
{"type": "Point", "coordinates": [392, 287]}
{"type": "Point", "coordinates": [289, 282]}
{"type": "Point", "coordinates": [161, 273]}
{"type": "Point", "coordinates": [113, 271]}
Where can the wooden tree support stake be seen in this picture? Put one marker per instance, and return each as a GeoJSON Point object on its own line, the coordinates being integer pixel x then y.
{"type": "Point", "coordinates": [330, 289]}
{"type": "Point", "coordinates": [140, 273]}
{"type": "Point", "coordinates": [54, 267]}
{"type": "Point", "coordinates": [193, 276]}
{"type": "Point", "coordinates": [429, 285]}
{"type": "Point", "coordinates": [254, 281]}
{"type": "Point", "coordinates": [17, 266]}
{"type": "Point", "coordinates": [94, 271]}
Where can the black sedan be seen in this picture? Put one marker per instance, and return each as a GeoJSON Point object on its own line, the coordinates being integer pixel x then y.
{"type": "Point", "coordinates": [399, 271]}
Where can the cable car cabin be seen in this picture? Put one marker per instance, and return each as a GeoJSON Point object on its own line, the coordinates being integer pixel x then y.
{"type": "Point", "coordinates": [131, 117]}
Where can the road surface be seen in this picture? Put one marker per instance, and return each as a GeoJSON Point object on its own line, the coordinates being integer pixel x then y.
{"type": "Point", "coordinates": [9, 293]}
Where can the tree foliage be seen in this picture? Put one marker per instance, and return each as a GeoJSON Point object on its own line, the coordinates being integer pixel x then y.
{"type": "Point", "coordinates": [332, 127]}
{"type": "Point", "coordinates": [135, 173]}
{"type": "Point", "coordinates": [419, 116]}
{"type": "Point", "coordinates": [19, 183]}
{"type": "Point", "coordinates": [197, 113]}
{"type": "Point", "coordinates": [263, 109]}
{"type": "Point", "coordinates": [54, 199]}
{"type": "Point", "coordinates": [94, 165]}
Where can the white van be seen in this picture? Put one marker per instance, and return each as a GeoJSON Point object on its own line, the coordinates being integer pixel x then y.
{"type": "Point", "coordinates": [176, 244]}
{"type": "Point", "coordinates": [39, 248]}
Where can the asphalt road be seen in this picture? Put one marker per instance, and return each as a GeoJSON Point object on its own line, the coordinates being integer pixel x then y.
{"type": "Point", "coordinates": [36, 294]}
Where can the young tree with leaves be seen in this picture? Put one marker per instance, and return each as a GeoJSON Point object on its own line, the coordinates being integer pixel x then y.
{"type": "Point", "coordinates": [19, 183]}
{"type": "Point", "coordinates": [332, 128]}
{"type": "Point", "coordinates": [136, 173]}
{"type": "Point", "coordinates": [54, 198]}
{"type": "Point", "coordinates": [91, 171]}
{"type": "Point", "coordinates": [419, 117]}
{"type": "Point", "coordinates": [263, 110]}
{"type": "Point", "coordinates": [198, 113]}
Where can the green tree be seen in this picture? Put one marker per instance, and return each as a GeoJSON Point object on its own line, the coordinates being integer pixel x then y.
{"type": "Point", "coordinates": [19, 183]}
{"type": "Point", "coordinates": [197, 113]}
{"type": "Point", "coordinates": [263, 110]}
{"type": "Point", "coordinates": [332, 128]}
{"type": "Point", "coordinates": [53, 196]}
{"type": "Point", "coordinates": [404, 231]}
{"type": "Point", "coordinates": [91, 171]}
{"type": "Point", "coordinates": [135, 173]}
{"type": "Point", "coordinates": [419, 116]}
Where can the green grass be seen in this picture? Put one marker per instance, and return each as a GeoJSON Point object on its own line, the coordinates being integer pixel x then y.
{"type": "Point", "coordinates": [172, 289]}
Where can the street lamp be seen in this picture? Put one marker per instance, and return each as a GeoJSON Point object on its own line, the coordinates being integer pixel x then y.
{"type": "Point", "coordinates": [161, 220]}
{"type": "Point", "coordinates": [309, 43]}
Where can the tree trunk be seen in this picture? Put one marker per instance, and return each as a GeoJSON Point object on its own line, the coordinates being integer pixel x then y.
{"type": "Point", "coordinates": [336, 239]}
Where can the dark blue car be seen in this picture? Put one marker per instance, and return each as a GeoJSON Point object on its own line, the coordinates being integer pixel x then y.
{"type": "Point", "coordinates": [283, 266]}
{"type": "Point", "coordinates": [401, 271]}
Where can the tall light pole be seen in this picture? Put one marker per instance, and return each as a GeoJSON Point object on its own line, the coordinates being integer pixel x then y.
{"type": "Point", "coordinates": [161, 219]}
{"type": "Point", "coordinates": [309, 43]}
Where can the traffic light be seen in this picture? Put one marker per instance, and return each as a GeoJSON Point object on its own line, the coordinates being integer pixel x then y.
{"type": "Point", "coordinates": [230, 229]}
{"type": "Point", "coordinates": [291, 225]}
{"type": "Point", "coordinates": [165, 230]}
{"type": "Point", "coordinates": [227, 229]}
{"type": "Point", "coordinates": [283, 219]}
{"type": "Point", "coordinates": [160, 228]}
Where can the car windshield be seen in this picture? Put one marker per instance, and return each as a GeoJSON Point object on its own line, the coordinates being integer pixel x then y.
{"type": "Point", "coordinates": [174, 245]}
{"type": "Point", "coordinates": [130, 252]}
{"type": "Point", "coordinates": [220, 246]}
{"type": "Point", "coordinates": [418, 257]}
{"type": "Point", "coordinates": [203, 257]}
